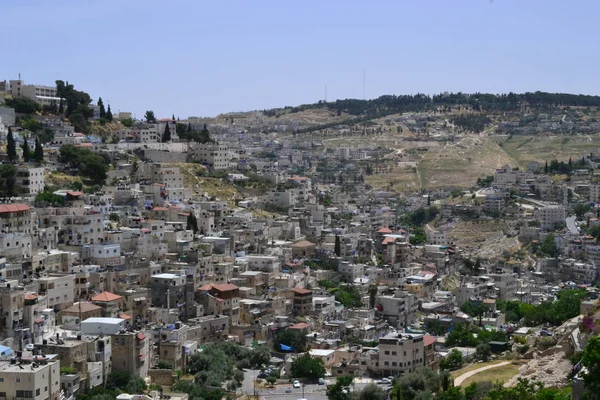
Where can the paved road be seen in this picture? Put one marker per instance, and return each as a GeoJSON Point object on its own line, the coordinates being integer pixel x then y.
{"type": "Point", "coordinates": [571, 225]}
{"type": "Point", "coordinates": [466, 375]}
{"type": "Point", "coordinates": [311, 391]}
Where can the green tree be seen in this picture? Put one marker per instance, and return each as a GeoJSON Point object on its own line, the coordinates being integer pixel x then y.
{"type": "Point", "coordinates": [372, 295]}
{"type": "Point", "coordinates": [26, 150]}
{"type": "Point", "coordinates": [11, 146]}
{"type": "Point", "coordinates": [462, 335]}
{"type": "Point", "coordinates": [548, 246]}
{"type": "Point", "coordinates": [192, 222]}
{"type": "Point", "coordinates": [102, 109]}
{"type": "Point", "coordinates": [128, 122]}
{"type": "Point", "coordinates": [483, 351]}
{"type": "Point", "coordinates": [8, 180]}
{"type": "Point", "coordinates": [308, 367]}
{"type": "Point", "coordinates": [341, 389]}
{"type": "Point", "coordinates": [591, 361]}
{"type": "Point", "coordinates": [38, 153]}
{"type": "Point", "coordinates": [166, 137]}
{"type": "Point", "coordinates": [452, 361]}
{"type": "Point", "coordinates": [338, 246]}
{"type": "Point", "coordinates": [475, 309]}
{"type": "Point", "coordinates": [109, 114]}
{"type": "Point", "coordinates": [61, 107]}
{"type": "Point", "coordinates": [149, 116]}
{"type": "Point", "coordinates": [370, 392]}
{"type": "Point", "coordinates": [418, 236]}
{"type": "Point", "coordinates": [580, 209]}
{"type": "Point", "coordinates": [23, 105]}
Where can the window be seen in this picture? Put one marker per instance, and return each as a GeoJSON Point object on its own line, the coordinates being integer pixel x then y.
{"type": "Point", "coordinates": [386, 363]}
{"type": "Point", "coordinates": [387, 352]}
{"type": "Point", "coordinates": [37, 392]}
{"type": "Point", "coordinates": [394, 353]}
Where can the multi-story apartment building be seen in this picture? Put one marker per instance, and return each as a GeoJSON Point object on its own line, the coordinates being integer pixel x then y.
{"type": "Point", "coordinates": [12, 301]}
{"type": "Point", "coordinates": [551, 217]}
{"type": "Point", "coordinates": [401, 353]}
{"type": "Point", "coordinates": [45, 95]}
{"type": "Point", "coordinates": [505, 285]}
{"type": "Point", "coordinates": [16, 217]}
{"type": "Point", "coordinates": [263, 263]}
{"type": "Point", "coordinates": [31, 180]}
{"type": "Point", "coordinates": [208, 329]}
{"type": "Point", "coordinates": [399, 309]}
{"type": "Point", "coordinates": [171, 179]}
{"type": "Point", "coordinates": [56, 291]}
{"type": "Point", "coordinates": [212, 155]}
{"type": "Point", "coordinates": [102, 254]}
{"type": "Point", "coordinates": [42, 382]}
{"type": "Point", "coordinates": [479, 290]}
{"type": "Point", "coordinates": [174, 290]}
{"type": "Point", "coordinates": [302, 301]}
{"type": "Point", "coordinates": [133, 349]}
{"type": "Point", "coordinates": [220, 299]}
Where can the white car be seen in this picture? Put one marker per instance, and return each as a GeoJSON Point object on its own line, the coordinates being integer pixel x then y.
{"type": "Point", "coordinates": [296, 384]}
{"type": "Point", "coordinates": [29, 347]}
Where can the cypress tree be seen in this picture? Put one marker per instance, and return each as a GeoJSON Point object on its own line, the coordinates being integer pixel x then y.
{"type": "Point", "coordinates": [338, 246]}
{"type": "Point", "coordinates": [109, 116]}
{"type": "Point", "coordinates": [38, 153]}
{"type": "Point", "coordinates": [167, 134]}
{"type": "Point", "coordinates": [546, 167]}
{"type": "Point", "coordinates": [25, 150]}
{"type": "Point", "coordinates": [61, 107]}
{"type": "Point", "coordinates": [102, 110]}
{"type": "Point", "coordinates": [11, 147]}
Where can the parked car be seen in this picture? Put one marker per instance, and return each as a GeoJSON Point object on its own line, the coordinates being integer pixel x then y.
{"type": "Point", "coordinates": [29, 347]}
{"type": "Point", "coordinates": [321, 381]}
{"type": "Point", "coordinates": [385, 381]}
{"type": "Point", "coordinates": [263, 375]}
{"type": "Point", "coordinates": [545, 333]}
{"type": "Point", "coordinates": [296, 384]}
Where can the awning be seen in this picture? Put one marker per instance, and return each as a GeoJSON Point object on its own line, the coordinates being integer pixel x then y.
{"type": "Point", "coordinates": [141, 336]}
{"type": "Point", "coordinates": [139, 299]}
{"type": "Point", "coordinates": [39, 321]}
{"type": "Point", "coordinates": [142, 356]}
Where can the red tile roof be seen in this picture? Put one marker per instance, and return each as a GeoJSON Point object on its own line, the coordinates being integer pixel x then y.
{"type": "Point", "coordinates": [160, 209]}
{"type": "Point", "coordinates": [302, 244]}
{"type": "Point", "coordinates": [384, 230]}
{"type": "Point", "coordinates": [225, 287]}
{"type": "Point", "coordinates": [30, 296]}
{"type": "Point", "coordinates": [74, 193]}
{"type": "Point", "coordinates": [221, 287]}
{"type": "Point", "coordinates": [106, 297]}
{"type": "Point", "coordinates": [428, 340]}
{"type": "Point", "coordinates": [300, 326]}
{"type": "Point", "coordinates": [124, 316]}
{"type": "Point", "coordinates": [388, 239]}
{"type": "Point", "coordinates": [299, 290]}
{"type": "Point", "coordinates": [11, 208]}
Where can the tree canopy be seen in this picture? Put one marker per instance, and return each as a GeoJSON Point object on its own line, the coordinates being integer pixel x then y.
{"type": "Point", "coordinates": [308, 367]}
{"type": "Point", "coordinates": [90, 165]}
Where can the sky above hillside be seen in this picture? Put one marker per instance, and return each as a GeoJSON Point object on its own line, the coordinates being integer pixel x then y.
{"type": "Point", "coordinates": [202, 58]}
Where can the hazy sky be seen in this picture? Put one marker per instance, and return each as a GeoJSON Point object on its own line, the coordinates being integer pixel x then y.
{"type": "Point", "coordinates": [201, 57]}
